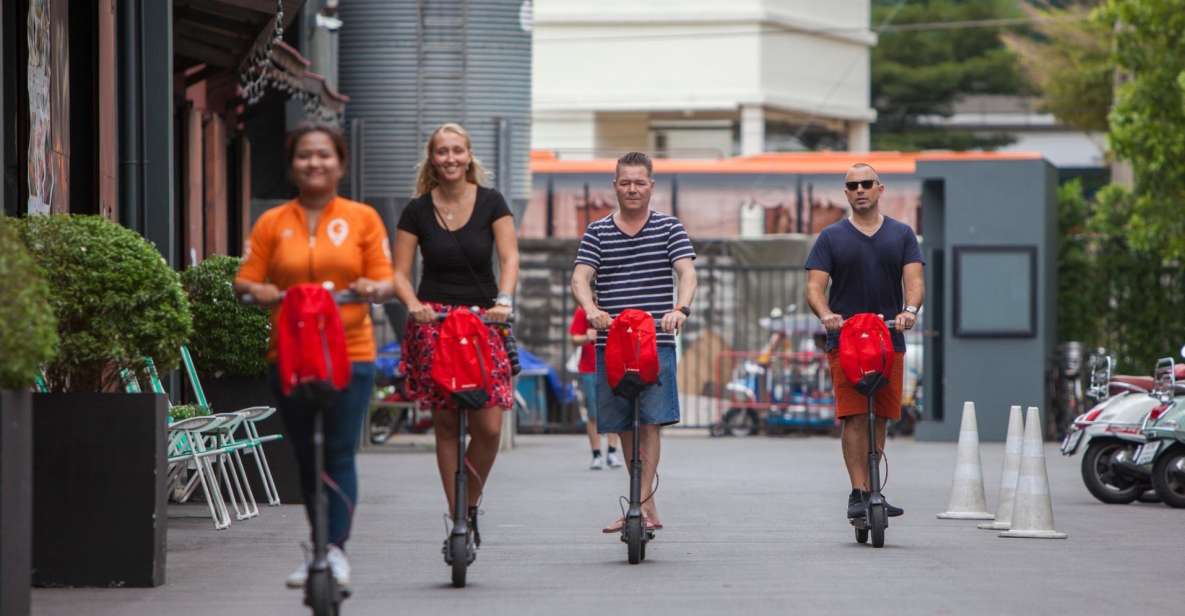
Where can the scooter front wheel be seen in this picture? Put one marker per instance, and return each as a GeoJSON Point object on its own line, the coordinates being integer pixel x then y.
{"type": "Point", "coordinates": [633, 540]}
{"type": "Point", "coordinates": [319, 591]}
{"type": "Point", "coordinates": [458, 546]}
{"type": "Point", "coordinates": [877, 522]}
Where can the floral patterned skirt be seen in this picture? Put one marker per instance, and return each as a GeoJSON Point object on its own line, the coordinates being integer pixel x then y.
{"type": "Point", "coordinates": [419, 346]}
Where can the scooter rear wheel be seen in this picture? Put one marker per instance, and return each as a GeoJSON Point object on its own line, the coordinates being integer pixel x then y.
{"type": "Point", "coordinates": [861, 535]}
{"type": "Point", "coordinates": [633, 540]}
{"type": "Point", "coordinates": [319, 593]}
{"type": "Point", "coordinates": [877, 522]}
{"type": "Point", "coordinates": [458, 546]}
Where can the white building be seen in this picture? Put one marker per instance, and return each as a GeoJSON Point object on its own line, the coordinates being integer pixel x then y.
{"type": "Point", "coordinates": [1032, 129]}
{"type": "Point", "coordinates": [700, 78]}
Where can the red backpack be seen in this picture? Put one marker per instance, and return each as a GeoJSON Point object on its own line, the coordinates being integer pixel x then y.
{"type": "Point", "coordinates": [864, 348]}
{"type": "Point", "coordinates": [310, 340]}
{"type": "Point", "coordinates": [462, 360]}
{"type": "Point", "coordinates": [631, 353]}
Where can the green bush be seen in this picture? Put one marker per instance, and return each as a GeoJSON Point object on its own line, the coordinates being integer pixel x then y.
{"type": "Point", "coordinates": [28, 331]}
{"type": "Point", "coordinates": [229, 338]}
{"type": "Point", "coordinates": [185, 411]}
{"type": "Point", "coordinates": [116, 300]}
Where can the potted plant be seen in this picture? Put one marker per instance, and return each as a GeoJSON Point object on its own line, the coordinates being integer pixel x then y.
{"type": "Point", "coordinates": [28, 340]}
{"type": "Point", "coordinates": [99, 455]}
{"type": "Point", "coordinates": [229, 350]}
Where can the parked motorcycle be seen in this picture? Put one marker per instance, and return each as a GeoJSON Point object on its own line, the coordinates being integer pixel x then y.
{"type": "Point", "coordinates": [1164, 430]}
{"type": "Point", "coordinates": [1112, 431]}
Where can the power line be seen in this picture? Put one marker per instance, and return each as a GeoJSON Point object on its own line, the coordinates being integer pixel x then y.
{"type": "Point", "coordinates": [932, 26]}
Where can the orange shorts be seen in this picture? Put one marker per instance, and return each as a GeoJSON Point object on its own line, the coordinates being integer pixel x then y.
{"type": "Point", "coordinates": [850, 402]}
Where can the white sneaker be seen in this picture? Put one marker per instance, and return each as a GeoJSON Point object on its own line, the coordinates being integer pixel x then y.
{"type": "Point", "coordinates": [597, 464]}
{"type": "Point", "coordinates": [614, 459]}
{"type": "Point", "coordinates": [301, 574]}
{"type": "Point", "coordinates": [339, 565]}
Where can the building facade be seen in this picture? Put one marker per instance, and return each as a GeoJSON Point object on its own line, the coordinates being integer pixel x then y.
{"type": "Point", "coordinates": [699, 78]}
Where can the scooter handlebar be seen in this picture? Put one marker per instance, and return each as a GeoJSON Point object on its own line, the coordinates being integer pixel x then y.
{"type": "Point", "coordinates": [348, 296]}
{"type": "Point", "coordinates": [440, 316]}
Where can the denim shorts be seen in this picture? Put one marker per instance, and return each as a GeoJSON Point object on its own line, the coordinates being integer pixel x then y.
{"type": "Point", "coordinates": [658, 404]}
{"type": "Point", "coordinates": [588, 387]}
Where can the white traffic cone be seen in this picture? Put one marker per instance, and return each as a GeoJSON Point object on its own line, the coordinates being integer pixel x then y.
{"type": "Point", "coordinates": [1008, 477]}
{"type": "Point", "coordinates": [1032, 511]}
{"type": "Point", "coordinates": [966, 492]}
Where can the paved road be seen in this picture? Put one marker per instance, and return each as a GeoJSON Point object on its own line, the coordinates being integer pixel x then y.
{"type": "Point", "coordinates": [754, 526]}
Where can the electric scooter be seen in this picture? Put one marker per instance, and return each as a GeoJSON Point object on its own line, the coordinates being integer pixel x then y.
{"type": "Point", "coordinates": [876, 516]}
{"type": "Point", "coordinates": [631, 386]}
{"type": "Point", "coordinates": [634, 533]}
{"type": "Point", "coordinates": [321, 592]}
{"type": "Point", "coordinates": [460, 548]}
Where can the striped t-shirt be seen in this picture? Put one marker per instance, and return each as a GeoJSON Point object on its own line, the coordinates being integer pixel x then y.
{"type": "Point", "coordinates": [635, 271]}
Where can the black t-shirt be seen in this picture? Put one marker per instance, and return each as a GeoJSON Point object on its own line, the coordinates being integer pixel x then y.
{"type": "Point", "coordinates": [865, 271]}
{"type": "Point", "coordinates": [446, 277]}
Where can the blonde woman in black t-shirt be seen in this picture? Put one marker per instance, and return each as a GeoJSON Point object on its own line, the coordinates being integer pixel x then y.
{"type": "Point", "coordinates": [457, 224]}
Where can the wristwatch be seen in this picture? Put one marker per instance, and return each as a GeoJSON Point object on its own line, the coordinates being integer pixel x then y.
{"type": "Point", "coordinates": [504, 299]}
{"type": "Point", "coordinates": [912, 310]}
{"type": "Point", "coordinates": [686, 310]}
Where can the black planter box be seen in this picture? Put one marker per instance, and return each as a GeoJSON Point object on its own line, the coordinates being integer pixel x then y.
{"type": "Point", "coordinates": [16, 501]}
{"type": "Point", "coordinates": [234, 393]}
{"type": "Point", "coordinates": [99, 499]}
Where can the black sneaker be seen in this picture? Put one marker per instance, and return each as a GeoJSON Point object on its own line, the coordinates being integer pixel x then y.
{"type": "Point", "coordinates": [856, 504]}
{"type": "Point", "coordinates": [889, 509]}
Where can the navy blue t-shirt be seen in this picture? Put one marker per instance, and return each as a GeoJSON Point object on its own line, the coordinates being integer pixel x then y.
{"type": "Point", "coordinates": [865, 271]}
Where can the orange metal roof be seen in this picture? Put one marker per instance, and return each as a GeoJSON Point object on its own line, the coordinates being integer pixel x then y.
{"type": "Point", "coordinates": [545, 161]}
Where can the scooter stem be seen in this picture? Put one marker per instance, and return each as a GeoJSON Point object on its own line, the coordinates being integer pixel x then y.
{"type": "Point", "coordinates": [874, 480]}
{"type": "Point", "coordinates": [635, 509]}
{"type": "Point", "coordinates": [320, 560]}
{"type": "Point", "coordinates": [460, 491]}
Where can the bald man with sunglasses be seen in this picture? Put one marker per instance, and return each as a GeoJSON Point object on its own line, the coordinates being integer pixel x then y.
{"type": "Point", "coordinates": [872, 264]}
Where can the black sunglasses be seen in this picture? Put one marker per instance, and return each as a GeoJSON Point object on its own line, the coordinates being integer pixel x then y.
{"type": "Point", "coordinates": [865, 184]}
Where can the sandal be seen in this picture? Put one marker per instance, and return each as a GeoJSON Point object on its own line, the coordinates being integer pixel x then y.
{"type": "Point", "coordinates": [614, 527]}
{"type": "Point", "coordinates": [651, 525]}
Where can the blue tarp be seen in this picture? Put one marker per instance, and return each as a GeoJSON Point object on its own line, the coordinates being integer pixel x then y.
{"type": "Point", "coordinates": [533, 366]}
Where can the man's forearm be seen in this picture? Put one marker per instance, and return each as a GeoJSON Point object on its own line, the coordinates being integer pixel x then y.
{"type": "Point", "coordinates": [688, 281]}
{"type": "Point", "coordinates": [817, 301]}
{"type": "Point", "coordinates": [914, 295]}
{"type": "Point", "coordinates": [582, 292]}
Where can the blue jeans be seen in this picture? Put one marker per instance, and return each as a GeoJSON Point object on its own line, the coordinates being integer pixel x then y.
{"type": "Point", "coordinates": [658, 404]}
{"type": "Point", "coordinates": [343, 425]}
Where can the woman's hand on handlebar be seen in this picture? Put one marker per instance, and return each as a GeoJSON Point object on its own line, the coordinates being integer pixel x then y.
{"type": "Point", "coordinates": [832, 322]}
{"type": "Point", "coordinates": [264, 294]}
{"type": "Point", "coordinates": [498, 314]}
{"type": "Point", "coordinates": [421, 313]}
{"type": "Point", "coordinates": [371, 290]}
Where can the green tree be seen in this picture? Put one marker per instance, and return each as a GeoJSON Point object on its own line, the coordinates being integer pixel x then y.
{"type": "Point", "coordinates": [1069, 59]}
{"type": "Point", "coordinates": [1148, 120]}
{"type": "Point", "coordinates": [922, 73]}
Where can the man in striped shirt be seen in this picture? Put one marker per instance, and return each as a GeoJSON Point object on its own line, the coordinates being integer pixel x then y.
{"type": "Point", "coordinates": [631, 255]}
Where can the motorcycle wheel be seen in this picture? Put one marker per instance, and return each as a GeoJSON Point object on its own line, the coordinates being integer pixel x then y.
{"type": "Point", "coordinates": [1101, 479]}
{"type": "Point", "coordinates": [740, 422]}
{"type": "Point", "coordinates": [1168, 477]}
